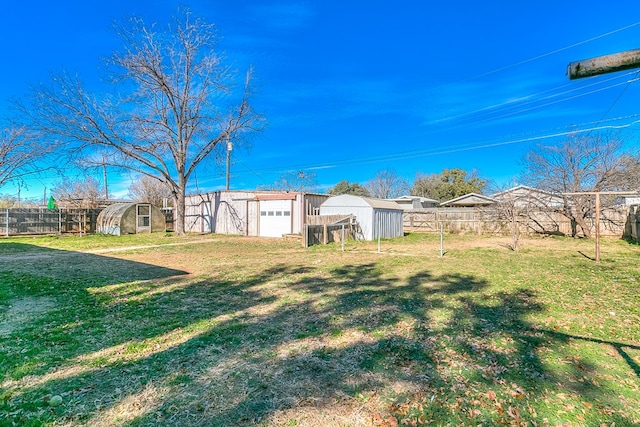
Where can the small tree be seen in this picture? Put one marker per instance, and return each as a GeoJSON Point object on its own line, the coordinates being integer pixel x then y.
{"type": "Point", "coordinates": [345, 187]}
{"type": "Point", "coordinates": [294, 181]}
{"type": "Point", "coordinates": [387, 185]}
{"type": "Point", "coordinates": [150, 190]}
{"type": "Point", "coordinates": [80, 193]}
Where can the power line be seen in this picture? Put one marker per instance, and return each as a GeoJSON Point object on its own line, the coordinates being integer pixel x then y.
{"type": "Point", "coordinates": [455, 148]}
{"type": "Point", "coordinates": [531, 98]}
{"type": "Point", "coordinates": [553, 52]}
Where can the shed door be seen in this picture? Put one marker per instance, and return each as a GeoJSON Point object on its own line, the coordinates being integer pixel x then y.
{"type": "Point", "coordinates": [275, 218]}
{"type": "Point", "coordinates": [143, 218]}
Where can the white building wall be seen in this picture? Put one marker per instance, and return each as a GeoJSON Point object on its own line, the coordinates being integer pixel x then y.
{"type": "Point", "coordinates": [198, 213]}
{"type": "Point", "coordinates": [238, 212]}
{"type": "Point", "coordinates": [231, 212]}
{"type": "Point", "coordinates": [374, 217]}
{"type": "Point", "coordinates": [363, 214]}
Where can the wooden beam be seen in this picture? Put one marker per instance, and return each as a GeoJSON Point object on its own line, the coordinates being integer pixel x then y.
{"type": "Point", "coordinates": [597, 219]}
{"type": "Point", "coordinates": [604, 64]}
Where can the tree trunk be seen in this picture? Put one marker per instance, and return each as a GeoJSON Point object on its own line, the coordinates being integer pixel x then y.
{"type": "Point", "coordinates": [582, 223]}
{"type": "Point", "coordinates": [180, 207]}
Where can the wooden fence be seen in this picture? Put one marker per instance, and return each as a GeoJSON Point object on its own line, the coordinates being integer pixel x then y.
{"type": "Point", "coordinates": [47, 221]}
{"type": "Point", "coordinates": [614, 222]}
{"type": "Point", "coordinates": [324, 229]}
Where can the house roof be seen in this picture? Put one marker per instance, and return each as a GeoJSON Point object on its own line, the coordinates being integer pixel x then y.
{"type": "Point", "coordinates": [523, 188]}
{"type": "Point", "coordinates": [471, 199]}
{"type": "Point", "coordinates": [422, 199]}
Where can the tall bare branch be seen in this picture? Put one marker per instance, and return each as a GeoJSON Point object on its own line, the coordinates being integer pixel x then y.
{"type": "Point", "coordinates": [173, 100]}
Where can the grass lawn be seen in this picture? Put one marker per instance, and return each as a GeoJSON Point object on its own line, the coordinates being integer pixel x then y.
{"type": "Point", "coordinates": [223, 331]}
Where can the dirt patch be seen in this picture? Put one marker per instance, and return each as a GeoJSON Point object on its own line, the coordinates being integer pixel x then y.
{"type": "Point", "coordinates": [22, 311]}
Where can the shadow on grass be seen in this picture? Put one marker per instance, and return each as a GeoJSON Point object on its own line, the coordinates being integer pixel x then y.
{"type": "Point", "coordinates": [426, 348]}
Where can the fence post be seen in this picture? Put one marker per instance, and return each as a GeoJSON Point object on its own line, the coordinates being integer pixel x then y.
{"type": "Point", "coordinates": [325, 236]}
{"type": "Point", "coordinates": [441, 240]}
{"type": "Point", "coordinates": [59, 221]}
{"type": "Point", "coordinates": [342, 239]}
{"type": "Point", "coordinates": [7, 230]}
{"type": "Point", "coordinates": [305, 238]}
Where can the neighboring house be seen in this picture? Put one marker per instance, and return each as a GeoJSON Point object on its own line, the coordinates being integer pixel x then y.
{"type": "Point", "coordinates": [470, 200]}
{"type": "Point", "coordinates": [375, 217]}
{"type": "Point", "coordinates": [251, 213]}
{"type": "Point", "coordinates": [409, 203]}
{"type": "Point", "coordinates": [523, 196]}
{"type": "Point", "coordinates": [631, 200]}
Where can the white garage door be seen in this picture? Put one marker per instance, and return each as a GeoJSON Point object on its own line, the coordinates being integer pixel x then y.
{"type": "Point", "coordinates": [275, 218]}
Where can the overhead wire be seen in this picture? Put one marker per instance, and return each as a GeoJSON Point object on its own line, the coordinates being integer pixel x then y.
{"type": "Point", "coordinates": [453, 148]}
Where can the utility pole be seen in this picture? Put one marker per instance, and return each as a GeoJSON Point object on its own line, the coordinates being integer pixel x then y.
{"type": "Point", "coordinates": [604, 64]}
{"type": "Point", "coordinates": [229, 148]}
{"type": "Point", "coordinates": [104, 174]}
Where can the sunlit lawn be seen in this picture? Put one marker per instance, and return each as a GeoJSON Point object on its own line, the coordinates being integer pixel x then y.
{"type": "Point", "coordinates": [237, 331]}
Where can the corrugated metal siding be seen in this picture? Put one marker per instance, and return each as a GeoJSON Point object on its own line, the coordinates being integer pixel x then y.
{"type": "Point", "coordinates": [387, 223]}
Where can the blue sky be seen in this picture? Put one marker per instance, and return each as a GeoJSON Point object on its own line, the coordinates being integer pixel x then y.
{"type": "Point", "coordinates": [352, 88]}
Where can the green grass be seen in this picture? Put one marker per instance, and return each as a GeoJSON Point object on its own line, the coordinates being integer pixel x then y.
{"type": "Point", "coordinates": [240, 331]}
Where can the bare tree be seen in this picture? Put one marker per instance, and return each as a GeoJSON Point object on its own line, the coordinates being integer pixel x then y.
{"type": "Point", "coordinates": [386, 185]}
{"type": "Point", "coordinates": [80, 193]}
{"type": "Point", "coordinates": [294, 181]}
{"type": "Point", "coordinates": [592, 162]}
{"type": "Point", "coordinates": [150, 190]}
{"type": "Point", "coordinates": [19, 152]}
{"type": "Point", "coordinates": [174, 101]}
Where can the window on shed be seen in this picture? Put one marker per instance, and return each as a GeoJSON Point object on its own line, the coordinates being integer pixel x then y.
{"type": "Point", "coordinates": [144, 215]}
{"type": "Point", "coordinates": [278, 213]}
{"type": "Point", "coordinates": [263, 213]}
{"type": "Point", "coordinates": [270, 213]}
{"type": "Point", "coordinates": [287, 213]}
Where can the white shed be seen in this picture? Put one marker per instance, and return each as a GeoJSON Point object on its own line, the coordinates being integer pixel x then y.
{"type": "Point", "coordinates": [376, 217]}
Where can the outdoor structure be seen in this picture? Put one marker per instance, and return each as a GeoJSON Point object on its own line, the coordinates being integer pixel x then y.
{"type": "Point", "coordinates": [469, 200]}
{"type": "Point", "coordinates": [130, 218]}
{"type": "Point", "coordinates": [375, 217]}
{"type": "Point", "coordinates": [251, 213]}
{"type": "Point", "coordinates": [415, 202]}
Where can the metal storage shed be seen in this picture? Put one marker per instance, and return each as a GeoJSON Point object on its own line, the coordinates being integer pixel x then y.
{"type": "Point", "coordinates": [376, 217]}
{"type": "Point", "coordinates": [130, 218]}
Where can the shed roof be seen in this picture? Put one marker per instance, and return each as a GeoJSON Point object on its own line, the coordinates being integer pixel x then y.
{"type": "Point", "coordinates": [351, 200]}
